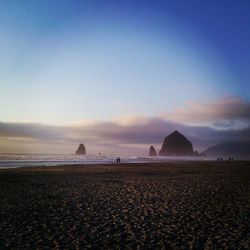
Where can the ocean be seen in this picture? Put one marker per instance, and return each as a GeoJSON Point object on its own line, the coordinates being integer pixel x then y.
{"type": "Point", "coordinates": [33, 160]}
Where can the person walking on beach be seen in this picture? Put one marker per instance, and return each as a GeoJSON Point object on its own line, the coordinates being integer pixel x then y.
{"type": "Point", "coordinates": [118, 160]}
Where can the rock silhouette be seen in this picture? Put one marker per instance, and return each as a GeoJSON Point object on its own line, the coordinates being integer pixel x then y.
{"type": "Point", "coordinates": [81, 150]}
{"type": "Point", "coordinates": [176, 144]}
{"type": "Point", "coordinates": [152, 151]}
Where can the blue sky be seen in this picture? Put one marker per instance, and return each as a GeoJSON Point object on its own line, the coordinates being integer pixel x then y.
{"type": "Point", "coordinates": [67, 62]}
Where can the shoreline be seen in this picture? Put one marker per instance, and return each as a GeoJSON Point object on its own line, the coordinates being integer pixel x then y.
{"type": "Point", "coordinates": [147, 163]}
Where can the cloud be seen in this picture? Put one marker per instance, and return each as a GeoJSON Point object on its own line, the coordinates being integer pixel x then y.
{"type": "Point", "coordinates": [205, 124]}
{"type": "Point", "coordinates": [31, 131]}
{"type": "Point", "coordinates": [110, 137]}
{"type": "Point", "coordinates": [230, 112]}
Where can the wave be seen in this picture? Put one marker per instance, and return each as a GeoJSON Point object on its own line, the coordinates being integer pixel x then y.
{"type": "Point", "coordinates": [28, 160]}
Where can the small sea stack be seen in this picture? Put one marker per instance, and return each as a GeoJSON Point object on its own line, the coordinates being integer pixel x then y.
{"type": "Point", "coordinates": [152, 151]}
{"type": "Point", "coordinates": [176, 144]}
{"type": "Point", "coordinates": [81, 150]}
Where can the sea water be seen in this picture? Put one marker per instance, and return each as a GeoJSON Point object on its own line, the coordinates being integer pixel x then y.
{"type": "Point", "coordinates": [33, 160]}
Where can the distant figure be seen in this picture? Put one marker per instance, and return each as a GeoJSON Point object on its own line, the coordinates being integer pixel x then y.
{"type": "Point", "coordinates": [118, 160]}
{"type": "Point", "coordinates": [218, 159]}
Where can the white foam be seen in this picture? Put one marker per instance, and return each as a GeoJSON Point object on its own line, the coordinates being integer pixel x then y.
{"type": "Point", "coordinates": [27, 160]}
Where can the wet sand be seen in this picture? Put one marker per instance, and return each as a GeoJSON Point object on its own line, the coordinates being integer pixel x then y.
{"type": "Point", "coordinates": [181, 205]}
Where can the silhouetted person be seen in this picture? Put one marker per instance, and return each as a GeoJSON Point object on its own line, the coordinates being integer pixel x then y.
{"type": "Point", "coordinates": [118, 160]}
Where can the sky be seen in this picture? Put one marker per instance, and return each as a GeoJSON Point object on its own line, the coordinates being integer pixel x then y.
{"type": "Point", "coordinates": [119, 76]}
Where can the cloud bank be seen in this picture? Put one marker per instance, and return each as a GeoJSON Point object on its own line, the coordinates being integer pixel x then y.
{"type": "Point", "coordinates": [108, 137]}
{"type": "Point", "coordinates": [225, 120]}
{"type": "Point", "coordinates": [230, 112]}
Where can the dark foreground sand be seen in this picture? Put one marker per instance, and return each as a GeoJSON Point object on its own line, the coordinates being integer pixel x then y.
{"type": "Point", "coordinates": [192, 205]}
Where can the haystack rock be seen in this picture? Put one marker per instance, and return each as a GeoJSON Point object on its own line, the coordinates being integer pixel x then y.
{"type": "Point", "coordinates": [152, 151]}
{"type": "Point", "coordinates": [81, 150]}
{"type": "Point", "coordinates": [176, 144]}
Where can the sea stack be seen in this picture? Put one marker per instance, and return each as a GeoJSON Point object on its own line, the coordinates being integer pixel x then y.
{"type": "Point", "coordinates": [152, 151]}
{"type": "Point", "coordinates": [81, 150]}
{"type": "Point", "coordinates": [176, 144]}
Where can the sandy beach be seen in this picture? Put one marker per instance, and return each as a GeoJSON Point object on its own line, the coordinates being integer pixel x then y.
{"type": "Point", "coordinates": [178, 205]}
